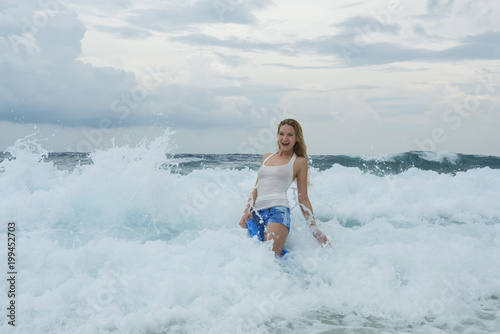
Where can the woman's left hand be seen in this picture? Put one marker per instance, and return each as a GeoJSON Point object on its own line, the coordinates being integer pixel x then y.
{"type": "Point", "coordinates": [321, 237]}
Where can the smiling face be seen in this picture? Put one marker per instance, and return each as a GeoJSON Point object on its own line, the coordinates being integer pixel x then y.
{"type": "Point", "coordinates": [291, 138]}
{"type": "Point", "coordinates": [286, 138]}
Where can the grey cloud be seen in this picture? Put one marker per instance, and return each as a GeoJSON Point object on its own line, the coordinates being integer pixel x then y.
{"type": "Point", "coordinates": [45, 83]}
{"type": "Point", "coordinates": [181, 17]}
{"type": "Point", "coordinates": [126, 32]}
{"type": "Point", "coordinates": [190, 107]}
{"type": "Point", "coordinates": [353, 48]}
{"type": "Point", "coordinates": [420, 31]}
{"type": "Point", "coordinates": [358, 52]}
{"type": "Point", "coordinates": [439, 6]}
{"type": "Point", "coordinates": [351, 4]}
{"type": "Point", "coordinates": [366, 25]}
{"type": "Point", "coordinates": [355, 53]}
{"type": "Point", "coordinates": [231, 60]}
{"type": "Point", "coordinates": [303, 67]}
{"type": "Point", "coordinates": [60, 39]}
{"type": "Point", "coordinates": [42, 82]}
{"type": "Point", "coordinates": [482, 46]}
{"type": "Point", "coordinates": [67, 95]}
{"type": "Point", "coordinates": [234, 43]}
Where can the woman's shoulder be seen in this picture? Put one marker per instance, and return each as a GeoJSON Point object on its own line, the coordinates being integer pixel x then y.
{"type": "Point", "coordinates": [300, 163]}
{"type": "Point", "coordinates": [265, 156]}
{"type": "Point", "coordinates": [301, 160]}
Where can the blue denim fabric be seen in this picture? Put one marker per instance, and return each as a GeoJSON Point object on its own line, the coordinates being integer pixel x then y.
{"type": "Point", "coordinates": [260, 219]}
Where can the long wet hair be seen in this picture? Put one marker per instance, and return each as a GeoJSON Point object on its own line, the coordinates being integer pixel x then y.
{"type": "Point", "coordinates": [300, 145]}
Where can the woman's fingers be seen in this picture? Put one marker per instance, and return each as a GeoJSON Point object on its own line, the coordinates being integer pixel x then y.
{"type": "Point", "coordinates": [244, 219]}
{"type": "Point", "coordinates": [322, 239]}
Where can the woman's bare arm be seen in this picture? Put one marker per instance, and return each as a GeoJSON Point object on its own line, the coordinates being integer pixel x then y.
{"type": "Point", "coordinates": [305, 203]}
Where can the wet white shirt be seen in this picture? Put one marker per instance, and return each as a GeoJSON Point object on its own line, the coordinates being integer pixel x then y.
{"type": "Point", "coordinates": [273, 184]}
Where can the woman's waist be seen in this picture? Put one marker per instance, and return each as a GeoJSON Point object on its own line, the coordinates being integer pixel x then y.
{"type": "Point", "coordinates": [264, 202]}
{"type": "Point", "coordinates": [272, 196]}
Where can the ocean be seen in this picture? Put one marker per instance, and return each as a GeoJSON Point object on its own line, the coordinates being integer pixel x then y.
{"type": "Point", "coordinates": [145, 240]}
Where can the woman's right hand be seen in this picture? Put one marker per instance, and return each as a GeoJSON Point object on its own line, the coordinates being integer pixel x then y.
{"type": "Point", "coordinates": [244, 219]}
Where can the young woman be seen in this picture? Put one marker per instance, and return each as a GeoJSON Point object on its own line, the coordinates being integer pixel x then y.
{"type": "Point", "coordinates": [267, 214]}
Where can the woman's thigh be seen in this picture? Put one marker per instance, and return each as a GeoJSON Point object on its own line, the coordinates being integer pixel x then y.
{"type": "Point", "coordinates": [278, 233]}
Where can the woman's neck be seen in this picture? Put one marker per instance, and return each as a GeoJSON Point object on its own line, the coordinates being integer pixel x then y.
{"type": "Point", "coordinates": [282, 153]}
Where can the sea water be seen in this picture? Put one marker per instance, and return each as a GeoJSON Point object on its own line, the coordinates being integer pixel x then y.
{"type": "Point", "coordinates": [143, 240]}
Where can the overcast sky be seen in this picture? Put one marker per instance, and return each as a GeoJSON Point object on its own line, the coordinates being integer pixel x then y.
{"type": "Point", "coordinates": [362, 77]}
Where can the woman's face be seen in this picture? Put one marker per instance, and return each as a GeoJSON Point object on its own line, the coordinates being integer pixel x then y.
{"type": "Point", "coordinates": [286, 138]}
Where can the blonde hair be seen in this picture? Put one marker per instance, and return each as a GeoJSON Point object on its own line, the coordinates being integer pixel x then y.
{"type": "Point", "coordinates": [300, 147]}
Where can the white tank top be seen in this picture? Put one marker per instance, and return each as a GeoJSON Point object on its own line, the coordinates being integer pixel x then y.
{"type": "Point", "coordinates": [273, 184]}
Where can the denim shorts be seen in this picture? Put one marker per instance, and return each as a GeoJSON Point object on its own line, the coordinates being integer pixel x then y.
{"type": "Point", "coordinates": [261, 218]}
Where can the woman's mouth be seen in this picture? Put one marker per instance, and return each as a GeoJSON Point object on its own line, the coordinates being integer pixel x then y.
{"type": "Point", "coordinates": [285, 144]}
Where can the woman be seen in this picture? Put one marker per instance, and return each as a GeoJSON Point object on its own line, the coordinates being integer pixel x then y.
{"type": "Point", "coordinates": [267, 214]}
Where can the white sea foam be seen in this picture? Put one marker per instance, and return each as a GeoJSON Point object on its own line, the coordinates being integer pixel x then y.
{"type": "Point", "coordinates": [439, 156]}
{"type": "Point", "coordinates": [123, 245]}
{"type": "Point", "coordinates": [376, 157]}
